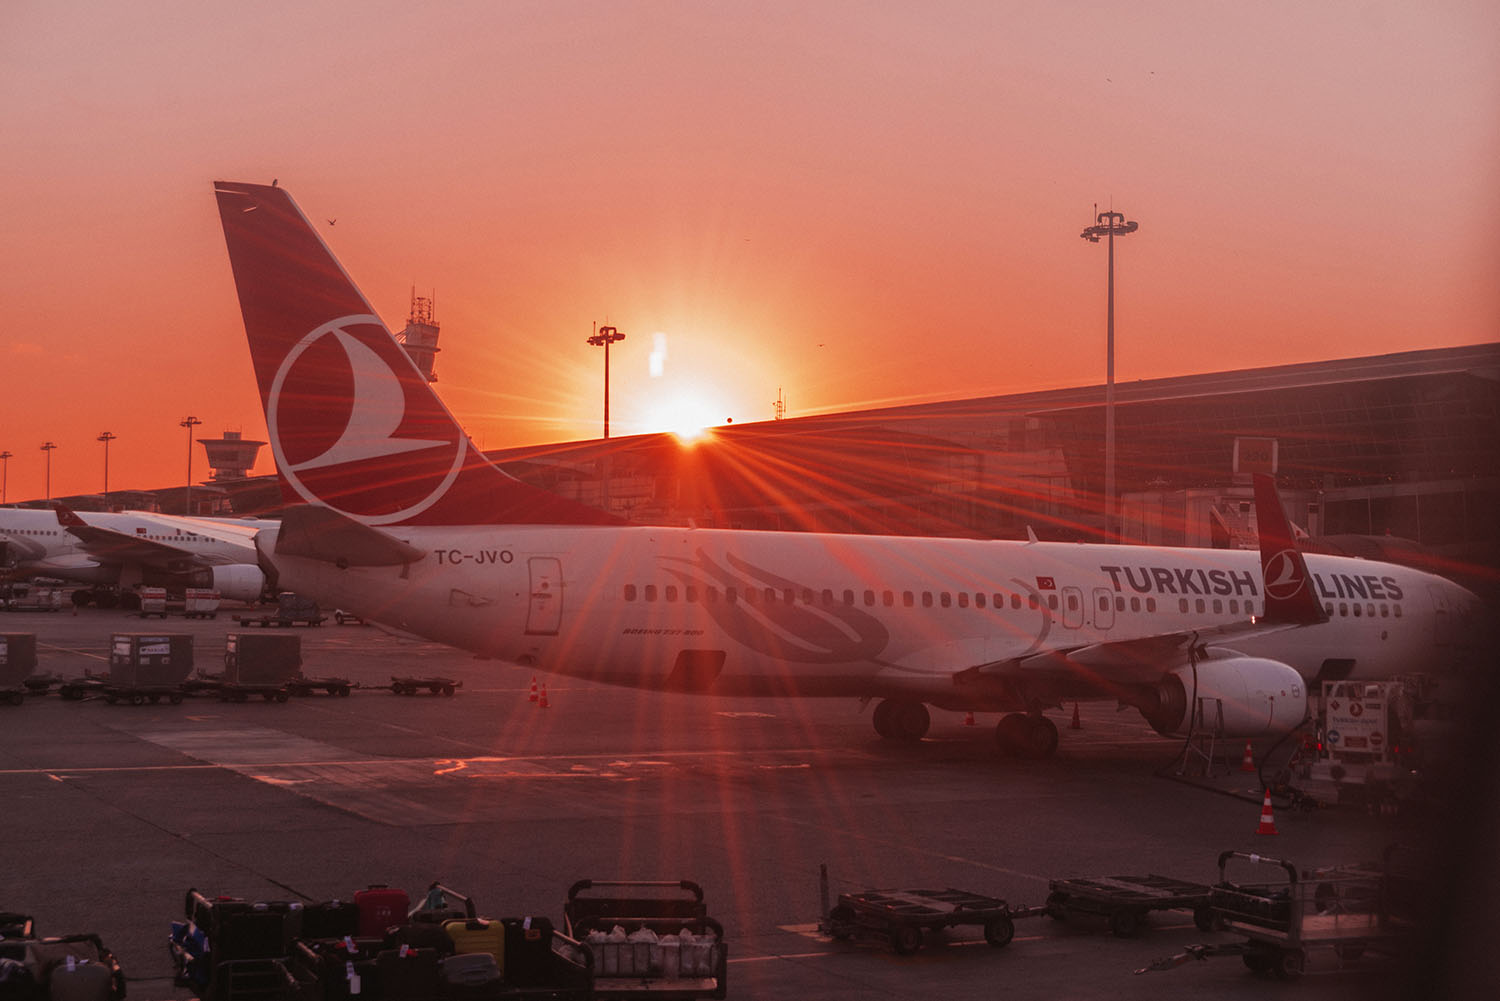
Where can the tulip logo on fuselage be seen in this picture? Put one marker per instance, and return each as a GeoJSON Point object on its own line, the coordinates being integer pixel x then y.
{"type": "Point", "coordinates": [354, 427]}
{"type": "Point", "coordinates": [1283, 575]}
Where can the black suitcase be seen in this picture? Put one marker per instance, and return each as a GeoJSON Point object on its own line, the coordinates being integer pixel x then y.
{"type": "Point", "coordinates": [473, 976]}
{"type": "Point", "coordinates": [330, 919]}
{"type": "Point", "coordinates": [528, 951]}
{"type": "Point", "coordinates": [409, 975]}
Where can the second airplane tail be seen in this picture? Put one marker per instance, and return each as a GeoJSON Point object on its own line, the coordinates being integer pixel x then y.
{"type": "Point", "coordinates": [354, 426]}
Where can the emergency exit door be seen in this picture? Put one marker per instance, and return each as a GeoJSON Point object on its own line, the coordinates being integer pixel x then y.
{"type": "Point", "coordinates": [544, 614]}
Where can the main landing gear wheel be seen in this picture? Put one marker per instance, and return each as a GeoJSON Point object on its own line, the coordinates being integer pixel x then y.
{"type": "Point", "coordinates": [897, 719]}
{"type": "Point", "coordinates": [999, 931]}
{"type": "Point", "coordinates": [1027, 736]}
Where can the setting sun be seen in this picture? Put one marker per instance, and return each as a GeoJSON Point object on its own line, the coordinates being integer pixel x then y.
{"type": "Point", "coordinates": [687, 416]}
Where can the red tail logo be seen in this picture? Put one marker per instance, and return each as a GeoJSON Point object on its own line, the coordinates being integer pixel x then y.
{"type": "Point", "coordinates": [353, 425]}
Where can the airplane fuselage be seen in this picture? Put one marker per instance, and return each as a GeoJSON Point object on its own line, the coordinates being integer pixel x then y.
{"type": "Point", "coordinates": [812, 614]}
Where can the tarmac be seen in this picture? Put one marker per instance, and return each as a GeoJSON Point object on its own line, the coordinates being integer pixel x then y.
{"type": "Point", "coordinates": [110, 813]}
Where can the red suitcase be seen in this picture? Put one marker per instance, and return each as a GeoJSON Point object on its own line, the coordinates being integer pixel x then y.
{"type": "Point", "coordinates": [380, 907]}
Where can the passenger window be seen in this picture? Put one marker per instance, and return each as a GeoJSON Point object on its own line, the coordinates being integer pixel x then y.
{"type": "Point", "coordinates": [1385, 611]}
{"type": "Point", "coordinates": [1396, 611]}
{"type": "Point", "coordinates": [827, 596]}
{"type": "Point", "coordinates": [1182, 605]}
{"type": "Point", "coordinates": [908, 599]}
{"type": "Point", "coordinates": [1052, 602]}
{"type": "Point", "coordinates": [963, 599]}
{"type": "Point", "coordinates": [1218, 606]}
{"type": "Point", "coordinates": [946, 599]}
{"type": "Point", "coordinates": [979, 600]}
{"type": "Point", "coordinates": [1120, 604]}
{"type": "Point", "coordinates": [650, 592]}
{"type": "Point", "coordinates": [770, 596]}
{"type": "Point", "coordinates": [1343, 609]}
{"type": "Point", "coordinates": [711, 593]}
{"type": "Point", "coordinates": [1150, 604]}
{"type": "Point", "coordinates": [750, 595]}
{"type": "Point", "coordinates": [1072, 602]}
{"type": "Point", "coordinates": [926, 599]}
{"type": "Point", "coordinates": [848, 597]}
{"type": "Point", "coordinates": [1198, 604]}
{"type": "Point", "coordinates": [1135, 605]}
{"type": "Point", "coordinates": [887, 598]}
{"type": "Point", "coordinates": [1234, 606]}
{"type": "Point", "coordinates": [1357, 611]}
{"type": "Point", "coordinates": [807, 596]}
{"type": "Point", "coordinates": [869, 599]}
{"type": "Point", "coordinates": [691, 593]}
{"type": "Point", "coordinates": [1033, 602]}
{"type": "Point", "coordinates": [1370, 609]}
{"type": "Point", "coordinates": [1103, 603]}
{"type": "Point", "coordinates": [629, 592]}
{"type": "Point", "coordinates": [671, 590]}
{"type": "Point", "coordinates": [731, 595]}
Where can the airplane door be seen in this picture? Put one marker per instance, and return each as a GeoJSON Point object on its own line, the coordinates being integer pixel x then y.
{"type": "Point", "coordinates": [544, 614]}
{"type": "Point", "coordinates": [1072, 607]}
{"type": "Point", "coordinates": [1104, 608]}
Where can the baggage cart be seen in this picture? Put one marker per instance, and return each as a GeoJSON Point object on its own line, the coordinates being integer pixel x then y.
{"type": "Point", "coordinates": [1354, 911]}
{"type": "Point", "coordinates": [153, 601]}
{"type": "Point", "coordinates": [901, 917]}
{"type": "Point", "coordinates": [303, 686]}
{"type": "Point", "coordinates": [667, 945]}
{"type": "Point", "coordinates": [291, 610]}
{"type": "Point", "coordinates": [78, 689]}
{"type": "Point", "coordinates": [148, 667]}
{"type": "Point", "coordinates": [17, 663]}
{"type": "Point", "coordinates": [229, 949]}
{"type": "Point", "coordinates": [434, 685]}
{"type": "Point", "coordinates": [1126, 900]}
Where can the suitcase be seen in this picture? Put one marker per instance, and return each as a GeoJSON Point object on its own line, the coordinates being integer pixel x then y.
{"type": "Point", "coordinates": [80, 982]}
{"type": "Point", "coordinates": [420, 935]}
{"type": "Point", "coordinates": [17, 983]}
{"type": "Point", "coordinates": [412, 976]}
{"type": "Point", "coordinates": [477, 935]}
{"type": "Point", "coordinates": [330, 919]}
{"type": "Point", "coordinates": [324, 964]}
{"type": "Point", "coordinates": [380, 907]}
{"type": "Point", "coordinates": [241, 930]}
{"type": "Point", "coordinates": [528, 951]}
{"type": "Point", "coordinates": [472, 977]}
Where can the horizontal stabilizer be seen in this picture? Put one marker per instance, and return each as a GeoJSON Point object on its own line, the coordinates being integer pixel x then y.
{"type": "Point", "coordinates": [319, 533]}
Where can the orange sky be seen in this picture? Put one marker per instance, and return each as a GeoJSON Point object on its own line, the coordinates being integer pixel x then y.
{"type": "Point", "coordinates": [860, 203]}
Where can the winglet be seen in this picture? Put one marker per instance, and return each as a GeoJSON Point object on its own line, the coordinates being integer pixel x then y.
{"type": "Point", "coordinates": [67, 517]}
{"type": "Point", "coordinates": [1288, 584]}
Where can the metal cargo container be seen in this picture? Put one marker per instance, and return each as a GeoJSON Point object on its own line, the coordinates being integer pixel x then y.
{"type": "Point", "coordinates": [262, 658]}
{"type": "Point", "coordinates": [138, 660]}
{"type": "Point", "coordinates": [17, 658]}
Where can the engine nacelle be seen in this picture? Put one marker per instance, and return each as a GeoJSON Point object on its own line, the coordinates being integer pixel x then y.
{"type": "Point", "coordinates": [1257, 697]}
{"type": "Point", "coordinates": [239, 581]}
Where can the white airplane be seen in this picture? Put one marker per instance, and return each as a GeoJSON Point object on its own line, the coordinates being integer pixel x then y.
{"type": "Point", "coordinates": [398, 517]}
{"type": "Point", "coordinates": [120, 550]}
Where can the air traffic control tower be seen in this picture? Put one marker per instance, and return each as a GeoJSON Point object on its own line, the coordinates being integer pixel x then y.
{"type": "Point", "coordinates": [421, 335]}
{"type": "Point", "coordinates": [231, 457]}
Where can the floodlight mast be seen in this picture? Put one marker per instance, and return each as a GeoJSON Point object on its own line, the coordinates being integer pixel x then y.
{"type": "Point", "coordinates": [605, 337]}
{"type": "Point", "coordinates": [1107, 226]}
{"type": "Point", "coordinates": [106, 437]}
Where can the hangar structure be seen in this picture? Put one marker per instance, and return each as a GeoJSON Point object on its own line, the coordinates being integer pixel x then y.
{"type": "Point", "coordinates": [1400, 446]}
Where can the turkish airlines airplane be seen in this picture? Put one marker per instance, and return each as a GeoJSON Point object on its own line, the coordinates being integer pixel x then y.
{"type": "Point", "coordinates": [121, 550]}
{"type": "Point", "coordinates": [399, 518]}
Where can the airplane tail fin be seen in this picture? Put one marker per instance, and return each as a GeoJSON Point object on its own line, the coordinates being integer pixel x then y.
{"type": "Point", "coordinates": [354, 426]}
{"type": "Point", "coordinates": [1288, 584]}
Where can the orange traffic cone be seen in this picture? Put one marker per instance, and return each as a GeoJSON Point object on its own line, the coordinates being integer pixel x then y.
{"type": "Point", "coordinates": [543, 703]}
{"type": "Point", "coordinates": [533, 697]}
{"type": "Point", "coordinates": [1248, 763]}
{"type": "Point", "coordinates": [1267, 820]}
{"type": "Point", "coordinates": [969, 720]}
{"type": "Point", "coordinates": [1077, 724]}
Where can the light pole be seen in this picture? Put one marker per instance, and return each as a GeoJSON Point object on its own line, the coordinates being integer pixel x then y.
{"type": "Point", "coordinates": [48, 447]}
{"type": "Point", "coordinates": [189, 422]}
{"type": "Point", "coordinates": [1109, 225]}
{"type": "Point", "coordinates": [106, 437]}
{"type": "Point", "coordinates": [606, 336]}
{"type": "Point", "coordinates": [4, 474]}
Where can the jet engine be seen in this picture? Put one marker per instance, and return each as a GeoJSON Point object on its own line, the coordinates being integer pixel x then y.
{"type": "Point", "coordinates": [1253, 697]}
{"type": "Point", "coordinates": [239, 581]}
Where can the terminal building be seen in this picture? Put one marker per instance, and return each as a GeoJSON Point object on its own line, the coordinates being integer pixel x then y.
{"type": "Point", "coordinates": [1391, 456]}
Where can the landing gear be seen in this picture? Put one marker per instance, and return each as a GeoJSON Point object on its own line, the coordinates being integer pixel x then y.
{"type": "Point", "coordinates": [898, 719]}
{"type": "Point", "coordinates": [1027, 736]}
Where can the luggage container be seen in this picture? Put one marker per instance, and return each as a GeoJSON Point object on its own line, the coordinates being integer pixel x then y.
{"type": "Point", "coordinates": [259, 664]}
{"type": "Point", "coordinates": [200, 603]}
{"type": "Point", "coordinates": [17, 662]}
{"type": "Point", "coordinates": [153, 602]}
{"type": "Point", "coordinates": [148, 666]}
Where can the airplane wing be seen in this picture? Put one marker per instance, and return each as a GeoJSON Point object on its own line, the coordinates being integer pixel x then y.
{"type": "Point", "coordinates": [107, 546]}
{"type": "Point", "coordinates": [319, 533]}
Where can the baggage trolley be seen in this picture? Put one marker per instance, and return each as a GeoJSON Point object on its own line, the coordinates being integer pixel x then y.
{"type": "Point", "coordinates": [434, 684]}
{"type": "Point", "coordinates": [903, 916]}
{"type": "Point", "coordinates": [1351, 910]}
{"type": "Point", "coordinates": [1126, 900]}
{"type": "Point", "coordinates": [670, 948]}
{"type": "Point", "coordinates": [302, 686]}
